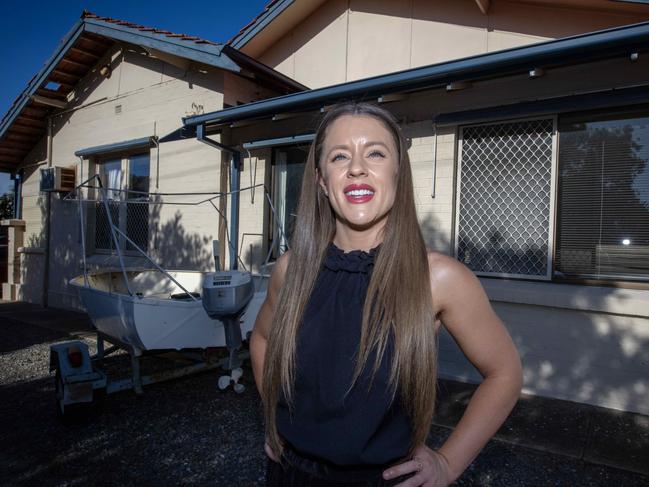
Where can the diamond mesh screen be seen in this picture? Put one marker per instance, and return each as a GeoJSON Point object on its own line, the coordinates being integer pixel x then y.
{"type": "Point", "coordinates": [131, 217]}
{"type": "Point", "coordinates": [504, 200]}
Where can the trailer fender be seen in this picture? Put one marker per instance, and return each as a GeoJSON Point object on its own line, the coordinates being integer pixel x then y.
{"type": "Point", "coordinates": [75, 376]}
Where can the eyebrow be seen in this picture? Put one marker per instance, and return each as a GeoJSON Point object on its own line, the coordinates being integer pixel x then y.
{"type": "Point", "coordinates": [368, 144]}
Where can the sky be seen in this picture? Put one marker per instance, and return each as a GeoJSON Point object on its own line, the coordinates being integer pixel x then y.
{"type": "Point", "coordinates": [30, 31]}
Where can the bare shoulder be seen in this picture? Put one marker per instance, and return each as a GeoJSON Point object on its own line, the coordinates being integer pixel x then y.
{"type": "Point", "coordinates": [452, 282]}
{"type": "Point", "coordinates": [446, 270]}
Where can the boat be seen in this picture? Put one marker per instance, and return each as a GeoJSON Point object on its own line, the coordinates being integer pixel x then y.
{"type": "Point", "coordinates": [145, 309]}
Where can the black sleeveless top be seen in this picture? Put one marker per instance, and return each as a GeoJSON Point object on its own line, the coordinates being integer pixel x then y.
{"type": "Point", "coordinates": [359, 429]}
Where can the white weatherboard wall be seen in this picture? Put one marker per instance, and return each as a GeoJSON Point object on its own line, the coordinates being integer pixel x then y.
{"type": "Point", "coordinates": [152, 97]}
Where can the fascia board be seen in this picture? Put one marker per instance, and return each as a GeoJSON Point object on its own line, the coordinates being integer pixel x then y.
{"type": "Point", "coordinates": [67, 42]}
{"type": "Point", "coordinates": [265, 19]}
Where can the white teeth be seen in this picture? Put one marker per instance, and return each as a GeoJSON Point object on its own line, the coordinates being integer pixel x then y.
{"type": "Point", "coordinates": [359, 192]}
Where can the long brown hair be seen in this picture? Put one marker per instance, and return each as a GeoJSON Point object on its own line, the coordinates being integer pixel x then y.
{"type": "Point", "coordinates": [398, 297]}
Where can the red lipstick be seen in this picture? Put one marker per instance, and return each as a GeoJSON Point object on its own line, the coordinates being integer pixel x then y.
{"type": "Point", "coordinates": [359, 193]}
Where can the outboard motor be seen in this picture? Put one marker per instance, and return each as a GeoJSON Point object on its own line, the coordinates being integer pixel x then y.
{"type": "Point", "coordinates": [225, 296]}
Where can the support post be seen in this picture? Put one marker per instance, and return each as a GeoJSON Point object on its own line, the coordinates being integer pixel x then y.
{"type": "Point", "coordinates": [137, 377]}
{"type": "Point", "coordinates": [235, 171]}
{"type": "Point", "coordinates": [100, 347]}
{"type": "Point", "coordinates": [18, 189]}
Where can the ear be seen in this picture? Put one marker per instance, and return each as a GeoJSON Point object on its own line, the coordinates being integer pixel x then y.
{"type": "Point", "coordinates": [321, 181]}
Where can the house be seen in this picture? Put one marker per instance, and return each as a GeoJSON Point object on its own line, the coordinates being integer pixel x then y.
{"type": "Point", "coordinates": [100, 106]}
{"type": "Point", "coordinates": [528, 126]}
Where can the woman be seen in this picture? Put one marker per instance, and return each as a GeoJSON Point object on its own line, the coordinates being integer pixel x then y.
{"type": "Point", "coordinates": [344, 349]}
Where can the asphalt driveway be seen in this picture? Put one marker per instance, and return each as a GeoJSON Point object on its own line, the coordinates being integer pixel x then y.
{"type": "Point", "coordinates": [187, 432]}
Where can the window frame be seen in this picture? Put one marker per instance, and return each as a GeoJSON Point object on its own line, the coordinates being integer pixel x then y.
{"type": "Point", "coordinates": [554, 204]}
{"type": "Point", "coordinates": [548, 277]}
{"type": "Point", "coordinates": [304, 146]}
{"type": "Point", "coordinates": [606, 114]}
{"type": "Point", "coordinates": [125, 159]}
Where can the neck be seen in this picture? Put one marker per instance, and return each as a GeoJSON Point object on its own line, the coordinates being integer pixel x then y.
{"type": "Point", "coordinates": [349, 238]}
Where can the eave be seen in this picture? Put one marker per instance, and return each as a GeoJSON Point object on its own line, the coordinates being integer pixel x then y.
{"type": "Point", "coordinates": [604, 44]}
{"type": "Point", "coordinates": [79, 53]}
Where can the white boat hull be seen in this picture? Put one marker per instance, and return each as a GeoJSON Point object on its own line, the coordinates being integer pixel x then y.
{"type": "Point", "coordinates": [151, 319]}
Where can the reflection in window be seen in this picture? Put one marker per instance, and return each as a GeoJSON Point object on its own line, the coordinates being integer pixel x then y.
{"type": "Point", "coordinates": [603, 219]}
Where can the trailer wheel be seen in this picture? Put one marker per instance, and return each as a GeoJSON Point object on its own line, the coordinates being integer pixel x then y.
{"type": "Point", "coordinates": [60, 392]}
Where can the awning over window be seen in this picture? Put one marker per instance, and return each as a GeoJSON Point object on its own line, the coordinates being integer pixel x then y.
{"type": "Point", "coordinates": [563, 104]}
{"type": "Point", "coordinates": [116, 147]}
{"type": "Point", "coordinates": [294, 139]}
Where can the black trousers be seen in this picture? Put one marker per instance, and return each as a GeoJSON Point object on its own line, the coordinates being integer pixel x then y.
{"type": "Point", "coordinates": [297, 471]}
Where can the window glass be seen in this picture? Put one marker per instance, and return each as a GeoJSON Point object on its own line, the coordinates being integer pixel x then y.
{"type": "Point", "coordinates": [287, 176]}
{"type": "Point", "coordinates": [603, 219]}
{"type": "Point", "coordinates": [128, 202]}
{"type": "Point", "coordinates": [138, 177]}
{"type": "Point", "coordinates": [110, 172]}
{"type": "Point", "coordinates": [137, 207]}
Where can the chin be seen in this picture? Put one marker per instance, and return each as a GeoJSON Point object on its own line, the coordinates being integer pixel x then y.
{"type": "Point", "coordinates": [364, 223]}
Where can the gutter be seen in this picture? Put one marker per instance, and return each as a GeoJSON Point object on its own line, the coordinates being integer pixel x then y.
{"type": "Point", "coordinates": [578, 49]}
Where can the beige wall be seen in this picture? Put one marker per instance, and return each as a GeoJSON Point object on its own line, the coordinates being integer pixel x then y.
{"type": "Point", "coordinates": [344, 40]}
{"type": "Point", "coordinates": [581, 343]}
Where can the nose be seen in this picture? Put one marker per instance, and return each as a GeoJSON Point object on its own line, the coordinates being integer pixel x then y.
{"type": "Point", "coordinates": [357, 166]}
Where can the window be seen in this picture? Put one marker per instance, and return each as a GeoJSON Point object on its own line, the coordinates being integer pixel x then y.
{"type": "Point", "coordinates": [603, 199]}
{"type": "Point", "coordinates": [126, 180]}
{"type": "Point", "coordinates": [505, 198]}
{"type": "Point", "coordinates": [288, 169]}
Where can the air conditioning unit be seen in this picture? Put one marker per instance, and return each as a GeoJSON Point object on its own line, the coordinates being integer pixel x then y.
{"type": "Point", "coordinates": [58, 178]}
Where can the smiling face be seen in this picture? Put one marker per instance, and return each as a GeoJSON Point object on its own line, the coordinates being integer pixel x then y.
{"type": "Point", "coordinates": [358, 165]}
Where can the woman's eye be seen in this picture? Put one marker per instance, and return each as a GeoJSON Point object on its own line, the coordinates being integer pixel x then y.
{"type": "Point", "coordinates": [376, 153]}
{"type": "Point", "coordinates": [338, 157]}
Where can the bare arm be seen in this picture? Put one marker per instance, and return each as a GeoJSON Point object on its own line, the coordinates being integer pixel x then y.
{"type": "Point", "coordinates": [260, 331]}
{"type": "Point", "coordinates": [466, 313]}
{"type": "Point", "coordinates": [464, 309]}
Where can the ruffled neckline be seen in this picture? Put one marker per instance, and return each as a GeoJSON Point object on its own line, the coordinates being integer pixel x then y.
{"type": "Point", "coordinates": [353, 261]}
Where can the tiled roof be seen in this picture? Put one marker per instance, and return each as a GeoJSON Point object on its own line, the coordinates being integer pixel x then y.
{"type": "Point", "coordinates": [80, 51]}
{"type": "Point", "coordinates": [183, 37]}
